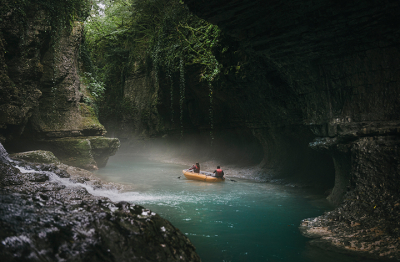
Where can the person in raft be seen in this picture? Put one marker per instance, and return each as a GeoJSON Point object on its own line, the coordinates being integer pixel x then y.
{"type": "Point", "coordinates": [195, 168]}
{"type": "Point", "coordinates": [218, 172]}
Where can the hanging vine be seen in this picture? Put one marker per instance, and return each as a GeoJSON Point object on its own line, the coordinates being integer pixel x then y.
{"type": "Point", "coordinates": [211, 111]}
{"type": "Point", "coordinates": [161, 36]}
{"type": "Point", "coordinates": [182, 91]}
{"type": "Point", "coordinates": [171, 92]}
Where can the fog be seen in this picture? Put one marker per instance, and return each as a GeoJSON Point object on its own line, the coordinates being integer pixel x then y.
{"type": "Point", "coordinates": [239, 154]}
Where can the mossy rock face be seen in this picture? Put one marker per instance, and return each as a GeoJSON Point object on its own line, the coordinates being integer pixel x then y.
{"type": "Point", "coordinates": [73, 151]}
{"type": "Point", "coordinates": [89, 122]}
{"type": "Point", "coordinates": [85, 152]}
{"type": "Point", "coordinates": [39, 156]}
{"type": "Point", "coordinates": [103, 148]}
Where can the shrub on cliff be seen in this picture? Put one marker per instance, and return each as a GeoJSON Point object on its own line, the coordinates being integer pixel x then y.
{"type": "Point", "coordinates": [161, 36]}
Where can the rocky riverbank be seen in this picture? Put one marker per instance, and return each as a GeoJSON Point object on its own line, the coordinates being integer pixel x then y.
{"type": "Point", "coordinates": [334, 231]}
{"type": "Point", "coordinates": [47, 214]}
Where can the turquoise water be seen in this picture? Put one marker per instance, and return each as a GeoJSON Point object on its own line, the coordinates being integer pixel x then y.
{"type": "Point", "coordinates": [228, 221]}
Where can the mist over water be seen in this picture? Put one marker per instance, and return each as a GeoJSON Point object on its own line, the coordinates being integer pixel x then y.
{"type": "Point", "coordinates": [228, 221]}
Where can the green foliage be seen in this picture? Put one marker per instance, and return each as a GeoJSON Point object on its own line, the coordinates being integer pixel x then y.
{"type": "Point", "coordinates": [61, 14]}
{"type": "Point", "coordinates": [141, 35]}
{"type": "Point", "coordinates": [96, 91]}
{"type": "Point", "coordinates": [95, 87]}
{"type": "Point", "coordinates": [117, 111]}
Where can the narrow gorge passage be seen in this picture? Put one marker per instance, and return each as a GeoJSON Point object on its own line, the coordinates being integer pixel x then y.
{"type": "Point", "coordinates": [297, 100]}
{"type": "Point", "coordinates": [229, 221]}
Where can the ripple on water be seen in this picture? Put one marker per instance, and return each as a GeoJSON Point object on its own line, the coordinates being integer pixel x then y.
{"type": "Point", "coordinates": [243, 221]}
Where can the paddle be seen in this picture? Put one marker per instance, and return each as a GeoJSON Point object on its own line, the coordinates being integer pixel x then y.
{"type": "Point", "coordinates": [230, 179]}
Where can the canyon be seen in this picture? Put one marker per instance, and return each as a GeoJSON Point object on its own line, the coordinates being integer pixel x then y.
{"type": "Point", "coordinates": [310, 93]}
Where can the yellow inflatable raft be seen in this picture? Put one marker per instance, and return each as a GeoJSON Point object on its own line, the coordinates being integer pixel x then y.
{"type": "Point", "coordinates": [202, 176]}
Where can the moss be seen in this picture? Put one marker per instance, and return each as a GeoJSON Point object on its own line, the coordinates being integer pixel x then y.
{"type": "Point", "coordinates": [73, 151]}
{"type": "Point", "coordinates": [39, 156]}
{"type": "Point", "coordinates": [103, 148]}
{"type": "Point", "coordinates": [85, 152]}
{"type": "Point", "coordinates": [104, 142]}
{"type": "Point", "coordinates": [89, 119]}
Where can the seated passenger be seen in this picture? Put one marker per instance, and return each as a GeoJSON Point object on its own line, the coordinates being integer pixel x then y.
{"type": "Point", "coordinates": [218, 172]}
{"type": "Point", "coordinates": [195, 168]}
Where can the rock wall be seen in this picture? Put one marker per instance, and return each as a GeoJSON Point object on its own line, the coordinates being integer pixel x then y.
{"type": "Point", "coordinates": [325, 72]}
{"type": "Point", "coordinates": [20, 68]}
{"type": "Point", "coordinates": [41, 95]}
{"type": "Point", "coordinates": [155, 112]}
{"type": "Point", "coordinates": [61, 111]}
{"type": "Point", "coordinates": [140, 116]}
{"type": "Point", "coordinates": [322, 67]}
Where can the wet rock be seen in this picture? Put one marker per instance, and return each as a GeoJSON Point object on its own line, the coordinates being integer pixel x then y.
{"type": "Point", "coordinates": [85, 152]}
{"type": "Point", "coordinates": [3, 154]}
{"type": "Point", "coordinates": [8, 173]}
{"type": "Point", "coordinates": [81, 180]}
{"type": "Point", "coordinates": [42, 219]}
{"type": "Point", "coordinates": [39, 156]}
{"type": "Point", "coordinates": [82, 230]}
{"type": "Point", "coordinates": [103, 148]}
{"type": "Point", "coordinates": [367, 218]}
{"type": "Point", "coordinates": [62, 173]}
{"type": "Point", "coordinates": [40, 177]}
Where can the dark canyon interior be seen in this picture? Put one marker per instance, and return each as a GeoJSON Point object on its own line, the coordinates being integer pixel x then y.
{"type": "Point", "coordinates": [316, 100]}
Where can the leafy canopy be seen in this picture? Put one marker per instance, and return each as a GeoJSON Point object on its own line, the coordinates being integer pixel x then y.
{"type": "Point", "coordinates": [124, 36]}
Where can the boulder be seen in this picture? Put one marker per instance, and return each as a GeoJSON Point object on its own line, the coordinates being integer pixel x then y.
{"type": "Point", "coordinates": [3, 154]}
{"type": "Point", "coordinates": [103, 148]}
{"type": "Point", "coordinates": [39, 156]}
{"type": "Point", "coordinates": [85, 152]}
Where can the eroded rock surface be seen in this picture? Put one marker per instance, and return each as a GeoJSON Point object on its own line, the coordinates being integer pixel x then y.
{"type": "Point", "coordinates": [47, 214]}
{"type": "Point", "coordinates": [41, 95]}
{"type": "Point", "coordinates": [85, 152]}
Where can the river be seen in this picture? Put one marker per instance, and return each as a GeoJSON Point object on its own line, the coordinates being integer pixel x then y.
{"type": "Point", "coordinates": [227, 221]}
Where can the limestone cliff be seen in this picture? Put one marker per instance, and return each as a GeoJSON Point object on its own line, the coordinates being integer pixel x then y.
{"type": "Point", "coordinates": [20, 68]}
{"type": "Point", "coordinates": [41, 95]}
{"type": "Point", "coordinates": [141, 115]}
{"type": "Point", "coordinates": [61, 111]}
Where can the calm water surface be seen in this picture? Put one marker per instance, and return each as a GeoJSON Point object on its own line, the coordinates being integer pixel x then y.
{"type": "Point", "coordinates": [228, 221]}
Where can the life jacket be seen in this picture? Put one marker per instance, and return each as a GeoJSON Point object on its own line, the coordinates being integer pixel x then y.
{"type": "Point", "coordinates": [196, 169]}
{"type": "Point", "coordinates": [219, 173]}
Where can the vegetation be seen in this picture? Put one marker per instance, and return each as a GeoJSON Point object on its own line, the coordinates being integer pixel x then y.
{"type": "Point", "coordinates": [159, 36]}
{"type": "Point", "coordinates": [62, 13]}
